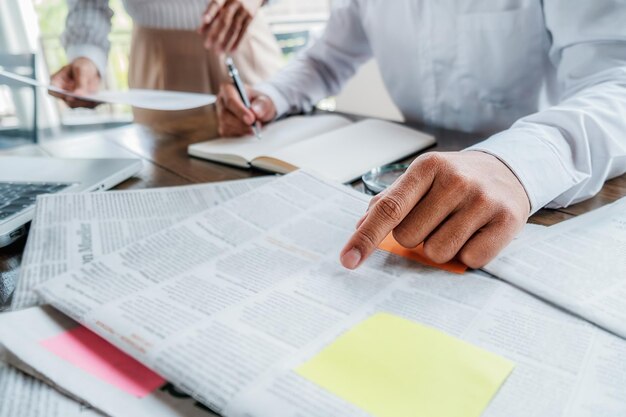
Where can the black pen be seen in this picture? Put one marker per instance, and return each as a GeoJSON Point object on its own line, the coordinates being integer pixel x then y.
{"type": "Point", "coordinates": [234, 75]}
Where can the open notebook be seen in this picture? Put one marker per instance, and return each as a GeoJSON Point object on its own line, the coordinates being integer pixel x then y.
{"type": "Point", "coordinates": [328, 144]}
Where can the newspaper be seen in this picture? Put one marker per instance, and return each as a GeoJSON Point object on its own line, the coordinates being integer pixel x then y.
{"type": "Point", "coordinates": [579, 264]}
{"type": "Point", "coordinates": [70, 230]}
{"type": "Point", "coordinates": [75, 228]}
{"type": "Point", "coordinates": [42, 323]}
{"type": "Point", "coordinates": [564, 366]}
{"type": "Point", "coordinates": [24, 396]}
{"type": "Point", "coordinates": [224, 304]}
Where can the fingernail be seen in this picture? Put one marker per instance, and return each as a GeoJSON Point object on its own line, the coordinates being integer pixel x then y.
{"type": "Point", "coordinates": [351, 258]}
{"type": "Point", "coordinates": [257, 107]}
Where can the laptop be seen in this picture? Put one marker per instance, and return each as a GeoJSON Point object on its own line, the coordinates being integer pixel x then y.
{"type": "Point", "coordinates": [22, 179]}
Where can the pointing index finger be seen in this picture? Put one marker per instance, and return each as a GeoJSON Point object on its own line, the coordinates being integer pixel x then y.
{"type": "Point", "coordinates": [385, 214]}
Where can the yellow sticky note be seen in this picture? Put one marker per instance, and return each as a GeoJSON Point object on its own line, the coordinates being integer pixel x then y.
{"type": "Point", "coordinates": [393, 367]}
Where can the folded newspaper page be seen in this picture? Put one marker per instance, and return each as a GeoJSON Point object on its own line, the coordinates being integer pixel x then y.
{"type": "Point", "coordinates": [73, 229]}
{"type": "Point", "coordinates": [564, 365]}
{"type": "Point", "coordinates": [24, 396]}
{"type": "Point", "coordinates": [108, 391]}
{"type": "Point", "coordinates": [227, 302]}
{"type": "Point", "coordinates": [69, 230]}
{"type": "Point", "coordinates": [579, 264]}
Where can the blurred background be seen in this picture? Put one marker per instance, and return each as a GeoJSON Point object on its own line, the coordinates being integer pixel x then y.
{"type": "Point", "coordinates": [30, 43]}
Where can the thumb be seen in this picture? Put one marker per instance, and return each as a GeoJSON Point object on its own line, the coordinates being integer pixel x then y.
{"type": "Point", "coordinates": [263, 108]}
{"type": "Point", "coordinates": [83, 79]}
{"type": "Point", "coordinates": [63, 78]}
{"type": "Point", "coordinates": [80, 80]}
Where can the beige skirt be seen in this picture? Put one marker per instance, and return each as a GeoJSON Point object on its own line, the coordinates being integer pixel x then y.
{"type": "Point", "coordinates": [176, 60]}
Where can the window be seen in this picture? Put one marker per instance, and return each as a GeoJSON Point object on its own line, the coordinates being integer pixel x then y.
{"type": "Point", "coordinates": [18, 42]}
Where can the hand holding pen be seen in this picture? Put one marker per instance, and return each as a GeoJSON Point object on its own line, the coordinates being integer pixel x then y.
{"type": "Point", "coordinates": [241, 110]}
{"type": "Point", "coordinates": [241, 90]}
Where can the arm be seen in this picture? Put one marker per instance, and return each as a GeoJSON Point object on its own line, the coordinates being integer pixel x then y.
{"type": "Point", "coordinates": [324, 68]}
{"type": "Point", "coordinates": [564, 154]}
{"type": "Point", "coordinates": [86, 33]}
{"type": "Point", "coordinates": [470, 205]}
{"type": "Point", "coordinates": [319, 72]}
{"type": "Point", "coordinates": [85, 39]}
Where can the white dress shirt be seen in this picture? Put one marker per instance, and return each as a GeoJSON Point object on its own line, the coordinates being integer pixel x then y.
{"type": "Point", "coordinates": [549, 75]}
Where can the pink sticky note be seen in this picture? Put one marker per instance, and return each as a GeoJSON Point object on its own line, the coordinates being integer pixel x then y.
{"type": "Point", "coordinates": [96, 356]}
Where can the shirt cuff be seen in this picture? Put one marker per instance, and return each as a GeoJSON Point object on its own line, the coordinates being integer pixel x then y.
{"type": "Point", "coordinates": [539, 164]}
{"type": "Point", "coordinates": [94, 53]}
{"type": "Point", "coordinates": [279, 100]}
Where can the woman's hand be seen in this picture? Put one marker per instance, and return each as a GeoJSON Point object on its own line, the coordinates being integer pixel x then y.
{"type": "Point", "coordinates": [79, 77]}
{"type": "Point", "coordinates": [224, 23]}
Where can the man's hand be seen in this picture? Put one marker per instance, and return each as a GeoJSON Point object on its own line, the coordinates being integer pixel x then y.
{"type": "Point", "coordinates": [234, 119]}
{"type": "Point", "coordinates": [224, 23]}
{"type": "Point", "coordinates": [467, 205]}
{"type": "Point", "coordinates": [79, 77]}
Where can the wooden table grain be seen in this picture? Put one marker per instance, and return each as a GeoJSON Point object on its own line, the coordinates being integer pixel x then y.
{"type": "Point", "coordinates": [166, 163]}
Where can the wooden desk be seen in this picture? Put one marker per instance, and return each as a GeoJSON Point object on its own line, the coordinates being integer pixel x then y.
{"type": "Point", "coordinates": [166, 163]}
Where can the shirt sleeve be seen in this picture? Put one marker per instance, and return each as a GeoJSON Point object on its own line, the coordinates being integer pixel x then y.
{"type": "Point", "coordinates": [324, 68]}
{"type": "Point", "coordinates": [564, 154]}
{"type": "Point", "coordinates": [87, 30]}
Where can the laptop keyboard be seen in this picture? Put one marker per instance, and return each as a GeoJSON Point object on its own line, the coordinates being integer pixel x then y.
{"type": "Point", "coordinates": [18, 196]}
